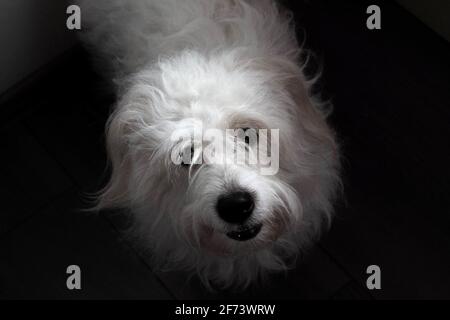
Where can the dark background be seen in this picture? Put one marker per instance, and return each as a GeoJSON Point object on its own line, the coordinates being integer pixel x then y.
{"type": "Point", "coordinates": [391, 92]}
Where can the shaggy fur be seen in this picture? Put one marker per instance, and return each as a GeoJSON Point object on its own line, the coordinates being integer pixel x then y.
{"type": "Point", "coordinates": [184, 64]}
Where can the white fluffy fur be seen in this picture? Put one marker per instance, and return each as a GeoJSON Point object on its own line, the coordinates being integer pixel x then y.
{"type": "Point", "coordinates": [220, 64]}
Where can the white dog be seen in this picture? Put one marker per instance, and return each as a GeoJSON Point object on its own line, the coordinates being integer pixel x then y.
{"type": "Point", "coordinates": [185, 65]}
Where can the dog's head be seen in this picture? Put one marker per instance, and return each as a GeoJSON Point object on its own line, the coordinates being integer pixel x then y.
{"type": "Point", "coordinates": [165, 170]}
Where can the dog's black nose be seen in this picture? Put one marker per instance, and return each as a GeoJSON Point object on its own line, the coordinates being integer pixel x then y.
{"type": "Point", "coordinates": [235, 207]}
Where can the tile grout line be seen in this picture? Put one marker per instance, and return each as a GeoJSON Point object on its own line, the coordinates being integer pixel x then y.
{"type": "Point", "coordinates": [141, 259]}
{"type": "Point", "coordinates": [351, 277]}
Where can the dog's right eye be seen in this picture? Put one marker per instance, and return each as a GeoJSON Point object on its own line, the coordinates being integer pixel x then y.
{"type": "Point", "coordinates": [187, 158]}
{"type": "Point", "coordinates": [248, 133]}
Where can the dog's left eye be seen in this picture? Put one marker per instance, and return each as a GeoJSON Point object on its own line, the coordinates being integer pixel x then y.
{"type": "Point", "coordinates": [249, 132]}
{"type": "Point", "coordinates": [186, 158]}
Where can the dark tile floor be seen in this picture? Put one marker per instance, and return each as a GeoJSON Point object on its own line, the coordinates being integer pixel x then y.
{"type": "Point", "coordinates": [390, 89]}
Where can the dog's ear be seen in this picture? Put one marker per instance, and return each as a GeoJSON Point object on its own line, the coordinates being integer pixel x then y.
{"type": "Point", "coordinates": [311, 112]}
{"type": "Point", "coordinates": [114, 194]}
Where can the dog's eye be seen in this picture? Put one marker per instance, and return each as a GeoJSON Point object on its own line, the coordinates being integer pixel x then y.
{"type": "Point", "coordinates": [249, 133]}
{"type": "Point", "coordinates": [187, 158]}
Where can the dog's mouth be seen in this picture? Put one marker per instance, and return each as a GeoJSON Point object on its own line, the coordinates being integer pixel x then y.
{"type": "Point", "coordinates": [245, 233]}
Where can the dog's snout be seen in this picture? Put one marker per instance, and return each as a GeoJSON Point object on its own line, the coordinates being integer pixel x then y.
{"type": "Point", "coordinates": [235, 207]}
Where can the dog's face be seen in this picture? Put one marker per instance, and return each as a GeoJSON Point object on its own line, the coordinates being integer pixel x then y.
{"type": "Point", "coordinates": [223, 207]}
